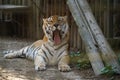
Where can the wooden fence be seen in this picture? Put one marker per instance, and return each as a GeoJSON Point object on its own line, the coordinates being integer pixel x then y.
{"type": "Point", "coordinates": [106, 13]}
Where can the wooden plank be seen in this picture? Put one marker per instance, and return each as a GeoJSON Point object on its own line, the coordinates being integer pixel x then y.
{"type": "Point", "coordinates": [54, 7]}
{"type": "Point", "coordinates": [59, 7]}
{"type": "Point", "coordinates": [74, 36]}
{"type": "Point", "coordinates": [78, 40]}
{"type": "Point", "coordinates": [1, 15]}
{"type": "Point", "coordinates": [0, 1]}
{"type": "Point", "coordinates": [71, 34]}
{"type": "Point", "coordinates": [51, 7]}
{"type": "Point", "coordinates": [108, 18]}
{"type": "Point", "coordinates": [41, 18]}
{"type": "Point", "coordinates": [47, 8]}
{"type": "Point", "coordinates": [29, 3]}
{"type": "Point", "coordinates": [108, 54]}
{"type": "Point", "coordinates": [91, 49]}
{"type": "Point", "coordinates": [101, 15]}
{"type": "Point", "coordinates": [111, 19]}
{"type": "Point", "coordinates": [37, 20]}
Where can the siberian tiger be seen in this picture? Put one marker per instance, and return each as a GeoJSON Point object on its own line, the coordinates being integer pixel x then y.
{"type": "Point", "coordinates": [52, 50]}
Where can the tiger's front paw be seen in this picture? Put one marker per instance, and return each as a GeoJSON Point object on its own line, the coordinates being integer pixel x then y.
{"type": "Point", "coordinates": [40, 67]}
{"type": "Point", "coordinates": [8, 56]}
{"type": "Point", "coordinates": [64, 67]}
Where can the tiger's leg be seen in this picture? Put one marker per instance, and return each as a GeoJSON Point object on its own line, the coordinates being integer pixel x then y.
{"type": "Point", "coordinates": [63, 63]}
{"type": "Point", "coordinates": [39, 62]}
{"type": "Point", "coordinates": [14, 54]}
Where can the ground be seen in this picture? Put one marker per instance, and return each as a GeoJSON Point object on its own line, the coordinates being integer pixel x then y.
{"type": "Point", "coordinates": [23, 69]}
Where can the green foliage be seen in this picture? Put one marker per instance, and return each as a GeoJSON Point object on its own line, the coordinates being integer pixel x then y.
{"type": "Point", "coordinates": [84, 64]}
{"type": "Point", "coordinates": [80, 60]}
{"type": "Point", "coordinates": [75, 54]}
{"type": "Point", "coordinates": [119, 58]}
{"type": "Point", "coordinates": [108, 70]}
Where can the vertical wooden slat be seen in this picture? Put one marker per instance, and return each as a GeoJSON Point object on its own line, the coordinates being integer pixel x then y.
{"type": "Point", "coordinates": [18, 2]}
{"type": "Point", "coordinates": [51, 7]}
{"type": "Point", "coordinates": [47, 8]}
{"type": "Point", "coordinates": [54, 7]}
{"type": "Point", "coordinates": [100, 14]}
{"type": "Point", "coordinates": [108, 8]}
{"type": "Point", "coordinates": [22, 2]}
{"type": "Point", "coordinates": [29, 3]}
{"type": "Point", "coordinates": [37, 19]}
{"type": "Point", "coordinates": [0, 11]}
{"type": "Point", "coordinates": [22, 26]}
{"type": "Point", "coordinates": [105, 18]}
{"type": "Point", "coordinates": [115, 17]}
{"type": "Point", "coordinates": [31, 32]}
{"type": "Point", "coordinates": [110, 32]}
{"type": "Point", "coordinates": [74, 36]}
{"type": "Point", "coordinates": [0, 1]}
{"type": "Point", "coordinates": [71, 34]}
{"type": "Point", "coordinates": [78, 42]}
{"type": "Point", "coordinates": [59, 5]}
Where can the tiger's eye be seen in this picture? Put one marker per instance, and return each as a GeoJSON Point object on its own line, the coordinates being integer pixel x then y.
{"type": "Point", "coordinates": [47, 32]}
{"type": "Point", "coordinates": [62, 32]}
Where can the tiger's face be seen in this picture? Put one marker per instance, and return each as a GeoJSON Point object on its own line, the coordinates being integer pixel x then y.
{"type": "Point", "coordinates": [56, 28]}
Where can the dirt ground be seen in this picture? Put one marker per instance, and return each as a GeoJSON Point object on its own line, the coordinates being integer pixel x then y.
{"type": "Point", "coordinates": [23, 69]}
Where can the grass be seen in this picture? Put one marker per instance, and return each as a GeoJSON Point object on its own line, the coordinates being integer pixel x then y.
{"type": "Point", "coordinates": [80, 60]}
{"type": "Point", "coordinates": [108, 70]}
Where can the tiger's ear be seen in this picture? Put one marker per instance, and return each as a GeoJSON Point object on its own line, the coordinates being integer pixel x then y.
{"type": "Point", "coordinates": [44, 20]}
{"type": "Point", "coordinates": [65, 18]}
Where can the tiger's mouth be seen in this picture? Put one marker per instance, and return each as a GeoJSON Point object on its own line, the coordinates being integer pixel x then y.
{"type": "Point", "coordinates": [56, 37]}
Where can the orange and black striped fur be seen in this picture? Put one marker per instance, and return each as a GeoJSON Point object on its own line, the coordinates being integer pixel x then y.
{"type": "Point", "coordinates": [53, 49]}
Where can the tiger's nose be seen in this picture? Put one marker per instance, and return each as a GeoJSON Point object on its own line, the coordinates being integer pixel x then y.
{"type": "Point", "coordinates": [56, 25]}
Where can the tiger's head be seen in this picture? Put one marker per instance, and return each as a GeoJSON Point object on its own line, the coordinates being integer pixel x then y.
{"type": "Point", "coordinates": [56, 29]}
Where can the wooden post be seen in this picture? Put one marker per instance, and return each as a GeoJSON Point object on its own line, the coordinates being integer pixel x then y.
{"type": "Point", "coordinates": [108, 54]}
{"type": "Point", "coordinates": [91, 49]}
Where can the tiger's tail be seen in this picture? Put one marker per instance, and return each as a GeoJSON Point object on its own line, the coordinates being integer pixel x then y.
{"type": "Point", "coordinates": [14, 54]}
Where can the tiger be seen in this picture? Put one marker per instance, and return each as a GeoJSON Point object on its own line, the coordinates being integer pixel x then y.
{"type": "Point", "coordinates": [52, 49]}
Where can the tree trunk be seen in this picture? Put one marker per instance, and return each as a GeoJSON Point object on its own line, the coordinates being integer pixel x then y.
{"type": "Point", "coordinates": [108, 54]}
{"type": "Point", "coordinates": [91, 35]}
{"type": "Point", "coordinates": [91, 49]}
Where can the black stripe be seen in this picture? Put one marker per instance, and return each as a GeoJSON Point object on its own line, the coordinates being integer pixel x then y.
{"type": "Point", "coordinates": [45, 54]}
{"type": "Point", "coordinates": [42, 57]}
{"type": "Point", "coordinates": [61, 46]}
{"type": "Point", "coordinates": [23, 52]}
{"type": "Point", "coordinates": [36, 49]}
{"type": "Point", "coordinates": [29, 48]}
{"type": "Point", "coordinates": [61, 58]}
{"type": "Point", "coordinates": [29, 51]}
{"type": "Point", "coordinates": [61, 53]}
{"type": "Point", "coordinates": [48, 50]}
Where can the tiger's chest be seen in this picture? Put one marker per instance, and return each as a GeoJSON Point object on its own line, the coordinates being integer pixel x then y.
{"type": "Point", "coordinates": [57, 55]}
{"type": "Point", "coordinates": [53, 60]}
{"type": "Point", "coordinates": [54, 53]}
